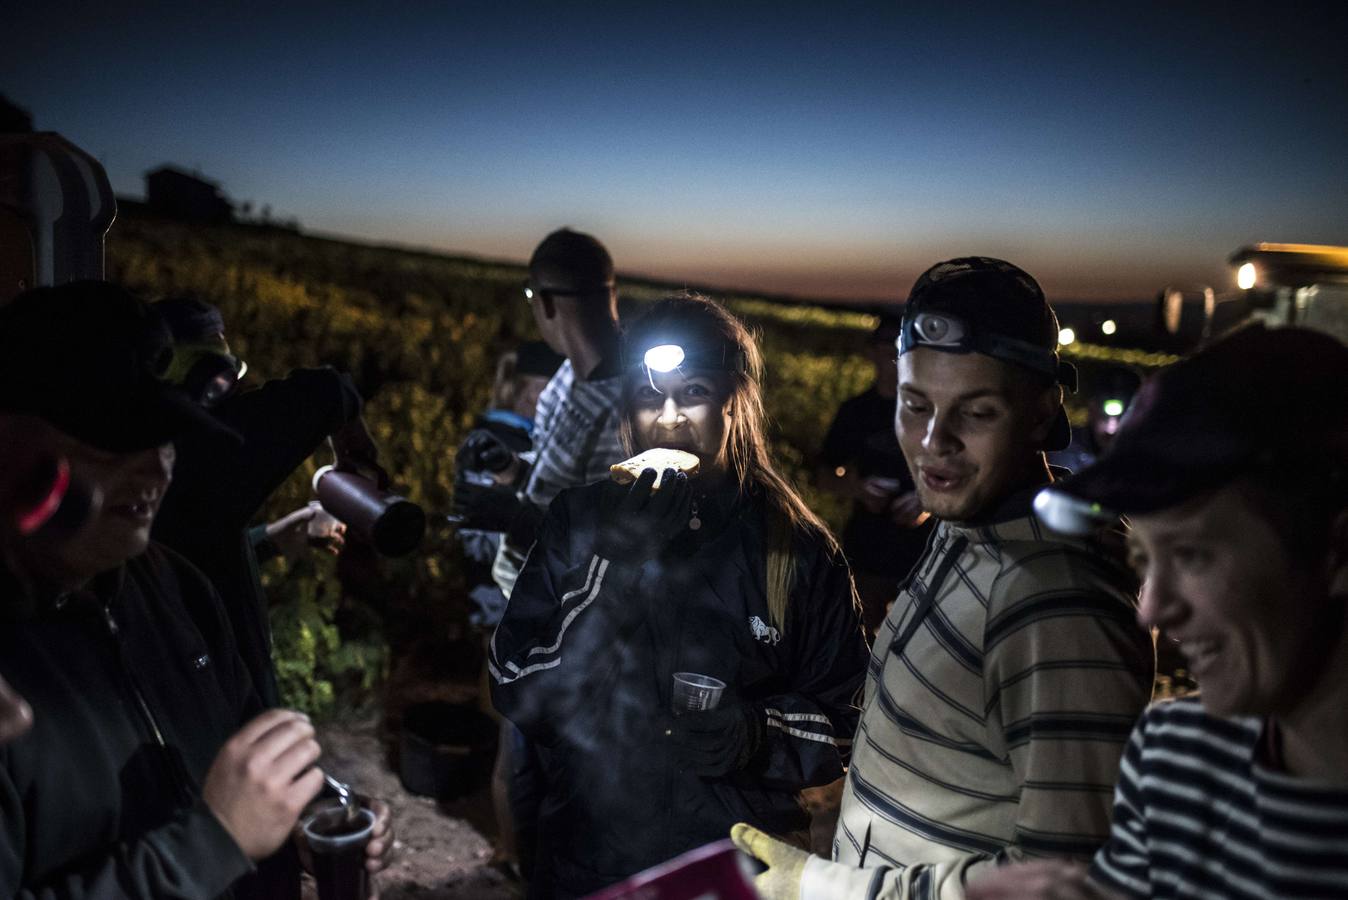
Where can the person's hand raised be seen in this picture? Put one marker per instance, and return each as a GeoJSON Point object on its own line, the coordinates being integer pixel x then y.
{"type": "Point", "coordinates": [637, 524]}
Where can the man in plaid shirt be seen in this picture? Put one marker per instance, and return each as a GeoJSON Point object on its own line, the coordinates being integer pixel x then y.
{"type": "Point", "coordinates": [571, 292]}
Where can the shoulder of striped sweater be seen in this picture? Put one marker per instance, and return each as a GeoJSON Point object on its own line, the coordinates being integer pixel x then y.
{"type": "Point", "coordinates": [1059, 566]}
{"type": "Point", "coordinates": [1184, 716]}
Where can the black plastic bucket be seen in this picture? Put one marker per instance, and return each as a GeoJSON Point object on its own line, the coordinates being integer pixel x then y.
{"type": "Point", "coordinates": [446, 750]}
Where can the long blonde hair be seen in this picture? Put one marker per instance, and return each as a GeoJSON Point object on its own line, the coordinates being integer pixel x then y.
{"type": "Point", "coordinates": [701, 321]}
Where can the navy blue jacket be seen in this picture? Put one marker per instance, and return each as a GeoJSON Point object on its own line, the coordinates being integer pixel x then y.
{"type": "Point", "coordinates": [589, 685]}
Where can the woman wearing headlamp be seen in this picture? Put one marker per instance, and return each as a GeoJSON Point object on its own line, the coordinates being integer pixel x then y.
{"type": "Point", "coordinates": [726, 574]}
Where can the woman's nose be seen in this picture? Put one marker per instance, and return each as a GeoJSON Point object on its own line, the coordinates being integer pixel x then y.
{"type": "Point", "coordinates": [1159, 605]}
{"type": "Point", "coordinates": [670, 414]}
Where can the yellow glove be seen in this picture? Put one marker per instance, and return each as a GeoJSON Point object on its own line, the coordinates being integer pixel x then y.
{"type": "Point", "coordinates": [786, 864]}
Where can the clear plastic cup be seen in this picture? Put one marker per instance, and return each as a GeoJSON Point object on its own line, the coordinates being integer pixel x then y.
{"type": "Point", "coordinates": [695, 693]}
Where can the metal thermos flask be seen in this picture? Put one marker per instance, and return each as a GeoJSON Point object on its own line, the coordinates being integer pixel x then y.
{"type": "Point", "coordinates": [393, 524]}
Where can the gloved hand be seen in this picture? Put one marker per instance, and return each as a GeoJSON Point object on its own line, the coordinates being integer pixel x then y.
{"type": "Point", "coordinates": [483, 451]}
{"type": "Point", "coordinates": [716, 742]}
{"type": "Point", "coordinates": [786, 864]}
{"type": "Point", "coordinates": [354, 451]}
{"type": "Point", "coordinates": [637, 524]}
{"type": "Point", "coordinates": [485, 507]}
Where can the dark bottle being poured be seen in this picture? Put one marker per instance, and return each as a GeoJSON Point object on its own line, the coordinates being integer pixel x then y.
{"type": "Point", "coordinates": [393, 524]}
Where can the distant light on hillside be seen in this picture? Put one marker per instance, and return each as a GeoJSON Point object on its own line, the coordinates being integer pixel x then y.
{"type": "Point", "coordinates": [1246, 276]}
{"type": "Point", "coordinates": [1109, 326]}
{"type": "Point", "coordinates": [1066, 336]}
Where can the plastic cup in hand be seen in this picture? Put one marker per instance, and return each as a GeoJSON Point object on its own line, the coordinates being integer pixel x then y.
{"type": "Point", "coordinates": [695, 693]}
{"type": "Point", "coordinates": [338, 844]}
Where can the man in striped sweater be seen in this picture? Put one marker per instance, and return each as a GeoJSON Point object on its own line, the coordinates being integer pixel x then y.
{"type": "Point", "coordinates": [1233, 468]}
{"type": "Point", "coordinates": [572, 294]}
{"type": "Point", "coordinates": [1010, 669]}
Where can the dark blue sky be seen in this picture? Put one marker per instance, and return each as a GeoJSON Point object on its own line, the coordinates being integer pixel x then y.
{"type": "Point", "coordinates": [820, 149]}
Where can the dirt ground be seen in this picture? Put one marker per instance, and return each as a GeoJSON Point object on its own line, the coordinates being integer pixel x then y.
{"type": "Point", "coordinates": [441, 852]}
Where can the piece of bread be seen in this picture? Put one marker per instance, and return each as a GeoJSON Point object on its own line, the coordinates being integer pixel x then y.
{"type": "Point", "coordinates": [657, 458]}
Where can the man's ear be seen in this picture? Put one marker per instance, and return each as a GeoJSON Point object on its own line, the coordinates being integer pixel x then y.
{"type": "Point", "coordinates": [1046, 405]}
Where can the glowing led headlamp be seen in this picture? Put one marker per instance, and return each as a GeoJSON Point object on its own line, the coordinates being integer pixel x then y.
{"type": "Point", "coordinates": [671, 356]}
{"type": "Point", "coordinates": [1114, 407]}
{"type": "Point", "coordinates": [664, 358]}
{"type": "Point", "coordinates": [1067, 514]}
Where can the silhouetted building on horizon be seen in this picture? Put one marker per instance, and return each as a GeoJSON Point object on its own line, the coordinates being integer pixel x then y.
{"type": "Point", "coordinates": [183, 195]}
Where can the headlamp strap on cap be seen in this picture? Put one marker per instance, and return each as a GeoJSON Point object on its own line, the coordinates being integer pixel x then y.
{"type": "Point", "coordinates": [952, 334]}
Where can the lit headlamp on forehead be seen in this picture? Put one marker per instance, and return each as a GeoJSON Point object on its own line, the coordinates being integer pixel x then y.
{"type": "Point", "coordinates": [669, 355]}
{"type": "Point", "coordinates": [664, 358]}
{"type": "Point", "coordinates": [942, 331]}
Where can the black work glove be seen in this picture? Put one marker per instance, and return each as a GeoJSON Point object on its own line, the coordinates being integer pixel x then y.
{"type": "Point", "coordinates": [485, 507]}
{"type": "Point", "coordinates": [484, 452]}
{"type": "Point", "coordinates": [717, 742]}
{"type": "Point", "coordinates": [354, 451]}
{"type": "Point", "coordinates": [636, 524]}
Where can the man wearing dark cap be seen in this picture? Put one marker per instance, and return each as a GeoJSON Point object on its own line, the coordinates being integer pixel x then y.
{"type": "Point", "coordinates": [572, 293]}
{"type": "Point", "coordinates": [145, 773]}
{"type": "Point", "coordinates": [1005, 679]}
{"type": "Point", "coordinates": [1232, 467]}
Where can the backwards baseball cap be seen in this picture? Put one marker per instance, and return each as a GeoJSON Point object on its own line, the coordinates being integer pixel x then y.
{"type": "Point", "coordinates": [88, 357]}
{"type": "Point", "coordinates": [977, 304]}
{"type": "Point", "coordinates": [571, 262]}
{"type": "Point", "coordinates": [1258, 398]}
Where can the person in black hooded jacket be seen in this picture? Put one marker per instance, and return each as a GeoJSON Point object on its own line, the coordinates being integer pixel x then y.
{"type": "Point", "coordinates": [725, 574]}
{"type": "Point", "coordinates": [150, 769]}
{"type": "Point", "coordinates": [218, 490]}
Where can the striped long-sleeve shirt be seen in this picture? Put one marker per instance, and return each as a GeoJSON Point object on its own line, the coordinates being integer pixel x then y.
{"type": "Point", "coordinates": [995, 732]}
{"type": "Point", "coordinates": [1198, 813]}
{"type": "Point", "coordinates": [575, 441]}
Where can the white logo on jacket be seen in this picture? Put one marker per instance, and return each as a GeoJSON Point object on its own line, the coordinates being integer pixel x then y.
{"type": "Point", "coordinates": [764, 632]}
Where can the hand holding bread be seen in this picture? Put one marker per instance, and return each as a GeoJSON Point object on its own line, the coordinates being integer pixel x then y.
{"type": "Point", "coordinates": [638, 523]}
{"type": "Point", "coordinates": [658, 459]}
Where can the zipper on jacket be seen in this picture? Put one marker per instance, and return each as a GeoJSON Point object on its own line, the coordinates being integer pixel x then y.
{"type": "Point", "coordinates": [131, 681]}
{"type": "Point", "coordinates": [179, 780]}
